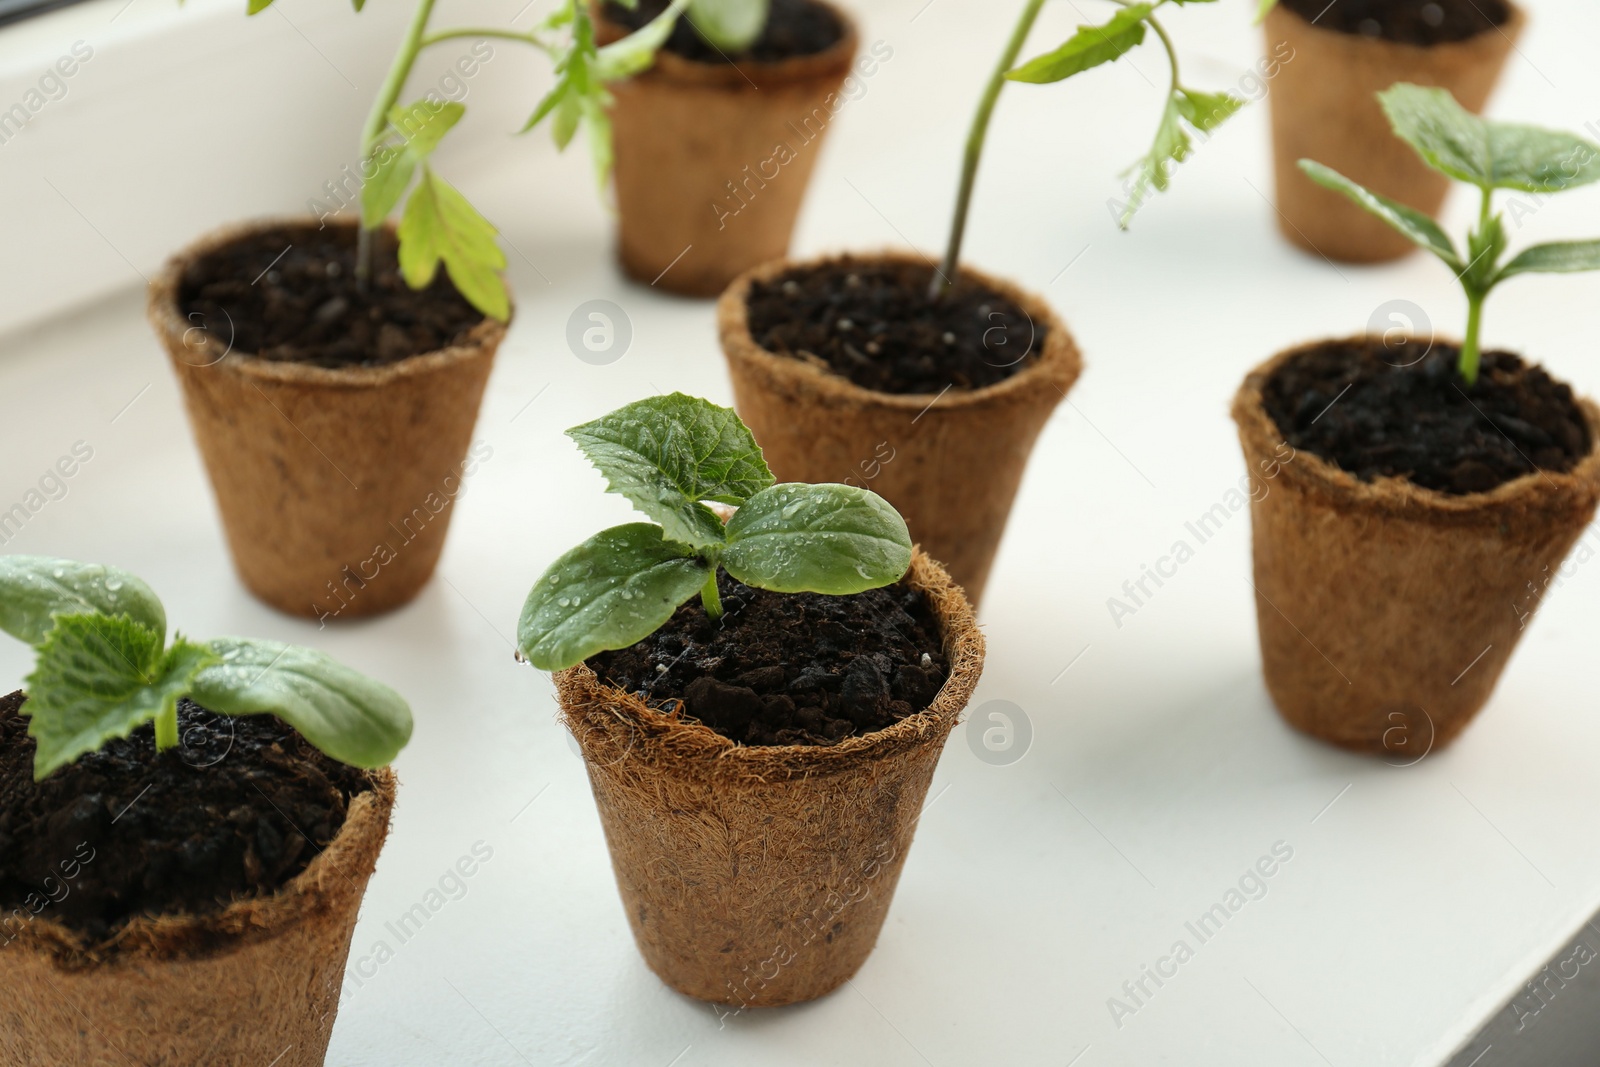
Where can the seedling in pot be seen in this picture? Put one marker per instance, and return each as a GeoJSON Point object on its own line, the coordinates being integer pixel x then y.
{"type": "Point", "coordinates": [105, 668]}
{"type": "Point", "coordinates": [438, 225]}
{"type": "Point", "coordinates": [1092, 46]}
{"type": "Point", "coordinates": [1491, 155]}
{"type": "Point", "coordinates": [670, 456]}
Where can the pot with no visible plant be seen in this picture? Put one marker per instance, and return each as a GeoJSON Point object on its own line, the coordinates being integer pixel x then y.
{"type": "Point", "coordinates": [1418, 497]}
{"type": "Point", "coordinates": [1332, 58]}
{"type": "Point", "coordinates": [159, 905]}
{"type": "Point", "coordinates": [930, 383]}
{"type": "Point", "coordinates": [716, 141]}
{"type": "Point", "coordinates": [760, 755]}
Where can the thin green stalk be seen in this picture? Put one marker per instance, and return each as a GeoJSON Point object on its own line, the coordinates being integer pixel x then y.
{"type": "Point", "coordinates": [378, 120]}
{"type": "Point", "coordinates": [475, 31]}
{"type": "Point", "coordinates": [1468, 364]}
{"type": "Point", "coordinates": [711, 598]}
{"type": "Point", "coordinates": [167, 729]}
{"type": "Point", "coordinates": [945, 278]}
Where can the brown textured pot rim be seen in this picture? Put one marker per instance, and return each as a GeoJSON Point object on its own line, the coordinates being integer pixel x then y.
{"type": "Point", "coordinates": [751, 74]}
{"type": "Point", "coordinates": [1511, 28]}
{"type": "Point", "coordinates": [167, 319]}
{"type": "Point", "coordinates": [317, 890]}
{"type": "Point", "coordinates": [1536, 491]}
{"type": "Point", "coordinates": [695, 744]}
{"type": "Point", "coordinates": [1058, 365]}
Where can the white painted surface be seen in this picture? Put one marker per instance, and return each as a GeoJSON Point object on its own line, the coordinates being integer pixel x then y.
{"type": "Point", "coordinates": [1158, 771]}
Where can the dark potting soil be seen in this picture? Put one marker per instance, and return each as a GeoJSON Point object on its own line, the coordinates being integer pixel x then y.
{"type": "Point", "coordinates": [1360, 406]}
{"type": "Point", "coordinates": [1419, 22]}
{"type": "Point", "coordinates": [238, 809]}
{"type": "Point", "coordinates": [872, 322]}
{"type": "Point", "coordinates": [794, 28]}
{"type": "Point", "coordinates": [290, 294]}
{"type": "Point", "coordinates": [790, 668]}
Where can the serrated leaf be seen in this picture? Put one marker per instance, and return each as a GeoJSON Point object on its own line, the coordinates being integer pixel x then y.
{"type": "Point", "coordinates": [1409, 222]}
{"type": "Point", "coordinates": [551, 101]}
{"type": "Point", "coordinates": [1489, 154]}
{"type": "Point", "coordinates": [421, 126]}
{"type": "Point", "coordinates": [1171, 146]}
{"type": "Point", "coordinates": [729, 25]}
{"type": "Point", "coordinates": [99, 678]}
{"type": "Point", "coordinates": [424, 124]}
{"type": "Point", "coordinates": [346, 715]}
{"type": "Point", "coordinates": [1557, 257]}
{"type": "Point", "coordinates": [568, 112]}
{"type": "Point", "coordinates": [666, 454]}
{"type": "Point", "coordinates": [1089, 47]}
{"type": "Point", "coordinates": [1205, 111]}
{"type": "Point", "coordinates": [34, 590]}
{"type": "Point", "coordinates": [615, 589]}
{"type": "Point", "coordinates": [440, 226]}
{"type": "Point", "coordinates": [388, 184]}
{"type": "Point", "coordinates": [637, 51]}
{"type": "Point", "coordinates": [833, 539]}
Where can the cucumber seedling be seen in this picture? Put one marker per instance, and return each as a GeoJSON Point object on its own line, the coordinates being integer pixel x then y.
{"type": "Point", "coordinates": [1490, 155]}
{"type": "Point", "coordinates": [104, 669]}
{"type": "Point", "coordinates": [1184, 110]}
{"type": "Point", "coordinates": [669, 456]}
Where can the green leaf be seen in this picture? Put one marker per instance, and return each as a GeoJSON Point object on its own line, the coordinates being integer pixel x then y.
{"type": "Point", "coordinates": [551, 101]}
{"type": "Point", "coordinates": [1558, 257]}
{"type": "Point", "coordinates": [1205, 111]}
{"type": "Point", "coordinates": [439, 225]}
{"type": "Point", "coordinates": [1171, 145]}
{"type": "Point", "coordinates": [1264, 9]}
{"type": "Point", "coordinates": [346, 715]}
{"type": "Point", "coordinates": [358, 5]}
{"type": "Point", "coordinates": [1491, 155]}
{"type": "Point", "coordinates": [98, 678]}
{"type": "Point", "coordinates": [256, 7]}
{"type": "Point", "coordinates": [666, 454]}
{"type": "Point", "coordinates": [594, 113]}
{"type": "Point", "coordinates": [615, 589]}
{"type": "Point", "coordinates": [1409, 222]}
{"type": "Point", "coordinates": [635, 52]}
{"type": "Point", "coordinates": [1089, 47]}
{"type": "Point", "coordinates": [421, 126]}
{"type": "Point", "coordinates": [728, 25]}
{"type": "Point", "coordinates": [34, 590]}
{"type": "Point", "coordinates": [833, 539]}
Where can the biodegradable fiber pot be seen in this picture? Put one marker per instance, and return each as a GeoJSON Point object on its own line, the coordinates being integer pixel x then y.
{"type": "Point", "coordinates": [1388, 610]}
{"type": "Point", "coordinates": [760, 875]}
{"type": "Point", "coordinates": [1324, 107]}
{"type": "Point", "coordinates": [335, 486]}
{"type": "Point", "coordinates": [713, 159]}
{"type": "Point", "coordinates": [958, 458]}
{"type": "Point", "coordinates": [255, 984]}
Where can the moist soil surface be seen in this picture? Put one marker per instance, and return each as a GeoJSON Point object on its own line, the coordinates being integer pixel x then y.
{"type": "Point", "coordinates": [1360, 406]}
{"type": "Point", "coordinates": [790, 668]}
{"type": "Point", "coordinates": [1418, 22]}
{"type": "Point", "coordinates": [871, 321]}
{"type": "Point", "coordinates": [289, 294]}
{"type": "Point", "coordinates": [794, 28]}
{"type": "Point", "coordinates": [238, 809]}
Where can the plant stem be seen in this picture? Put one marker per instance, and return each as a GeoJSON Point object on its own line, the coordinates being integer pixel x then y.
{"type": "Point", "coordinates": [167, 729]}
{"type": "Point", "coordinates": [711, 598]}
{"type": "Point", "coordinates": [1468, 364]}
{"type": "Point", "coordinates": [378, 120]}
{"type": "Point", "coordinates": [473, 31]}
{"type": "Point", "coordinates": [946, 276]}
